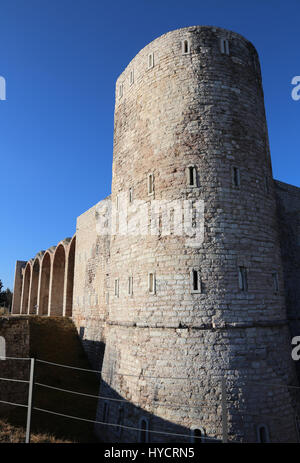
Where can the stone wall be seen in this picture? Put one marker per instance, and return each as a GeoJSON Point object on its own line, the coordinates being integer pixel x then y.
{"type": "Point", "coordinates": [150, 370]}
{"type": "Point", "coordinates": [288, 206]}
{"type": "Point", "coordinates": [190, 101]}
{"type": "Point", "coordinates": [205, 109]}
{"type": "Point", "coordinates": [50, 339]}
{"type": "Point", "coordinates": [90, 296]}
{"type": "Point", "coordinates": [15, 331]}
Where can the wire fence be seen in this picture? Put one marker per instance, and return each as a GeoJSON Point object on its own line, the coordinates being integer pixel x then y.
{"type": "Point", "coordinates": [32, 384]}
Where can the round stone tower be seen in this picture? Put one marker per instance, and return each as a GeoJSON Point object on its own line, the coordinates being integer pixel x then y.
{"type": "Point", "coordinates": [196, 288]}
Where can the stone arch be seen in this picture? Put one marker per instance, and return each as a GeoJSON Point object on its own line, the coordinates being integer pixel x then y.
{"type": "Point", "coordinates": [58, 279]}
{"type": "Point", "coordinates": [33, 299]}
{"type": "Point", "coordinates": [45, 284]}
{"type": "Point", "coordinates": [70, 278]}
{"type": "Point", "coordinates": [26, 288]}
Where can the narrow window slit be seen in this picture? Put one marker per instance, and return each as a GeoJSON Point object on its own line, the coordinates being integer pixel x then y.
{"type": "Point", "coordinates": [150, 60]}
{"type": "Point", "coordinates": [224, 46]}
{"type": "Point", "coordinates": [116, 287]}
{"type": "Point", "coordinates": [243, 279]}
{"type": "Point", "coordinates": [151, 283]}
{"type": "Point", "coordinates": [131, 78]}
{"type": "Point", "coordinates": [236, 178]}
{"type": "Point", "coordinates": [150, 184]}
{"type": "Point", "coordinates": [185, 47]}
{"type": "Point", "coordinates": [192, 176]}
{"type": "Point", "coordinates": [144, 430]}
{"type": "Point", "coordinates": [130, 285]}
{"type": "Point", "coordinates": [196, 281]}
{"type": "Point", "coordinates": [275, 281]}
{"type": "Point", "coordinates": [130, 194]}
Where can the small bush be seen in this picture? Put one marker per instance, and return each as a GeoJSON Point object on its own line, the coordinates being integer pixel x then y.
{"type": "Point", "coordinates": [4, 311]}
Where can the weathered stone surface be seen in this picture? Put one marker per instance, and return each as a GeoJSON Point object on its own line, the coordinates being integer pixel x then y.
{"type": "Point", "coordinates": [166, 352]}
{"type": "Point", "coordinates": [91, 285]}
{"type": "Point", "coordinates": [15, 332]}
{"type": "Point", "coordinates": [204, 109]}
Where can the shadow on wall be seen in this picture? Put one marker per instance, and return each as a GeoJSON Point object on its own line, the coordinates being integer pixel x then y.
{"type": "Point", "coordinates": [246, 424]}
{"type": "Point", "coordinates": [119, 411]}
{"type": "Point", "coordinates": [56, 340]}
{"type": "Point", "coordinates": [51, 339]}
{"type": "Point", "coordinates": [93, 349]}
{"type": "Point", "coordinates": [248, 408]}
{"type": "Point", "coordinates": [147, 427]}
{"type": "Point", "coordinates": [289, 227]}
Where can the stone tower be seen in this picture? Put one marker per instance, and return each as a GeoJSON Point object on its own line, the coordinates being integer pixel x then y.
{"type": "Point", "coordinates": [190, 125]}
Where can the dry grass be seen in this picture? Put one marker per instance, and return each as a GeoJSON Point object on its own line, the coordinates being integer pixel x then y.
{"type": "Point", "coordinates": [4, 311]}
{"type": "Point", "coordinates": [15, 435]}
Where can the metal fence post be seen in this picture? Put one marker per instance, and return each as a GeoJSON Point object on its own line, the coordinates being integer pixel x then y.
{"type": "Point", "coordinates": [224, 413]}
{"type": "Point", "coordinates": [30, 397]}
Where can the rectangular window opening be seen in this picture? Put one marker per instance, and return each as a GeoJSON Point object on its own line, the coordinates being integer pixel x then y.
{"type": "Point", "coordinates": [196, 281]}
{"type": "Point", "coordinates": [185, 47]}
{"type": "Point", "coordinates": [275, 281]}
{"type": "Point", "coordinates": [150, 184]}
{"type": "Point", "coordinates": [192, 176]}
{"type": "Point", "coordinates": [130, 285]}
{"type": "Point", "coordinates": [130, 194]}
{"type": "Point", "coordinates": [224, 46]}
{"type": "Point", "coordinates": [144, 430]}
{"type": "Point", "coordinates": [151, 283]}
{"type": "Point", "coordinates": [131, 78]}
{"type": "Point", "coordinates": [150, 60]}
{"type": "Point", "coordinates": [243, 279]}
{"type": "Point", "coordinates": [116, 287]}
{"type": "Point", "coordinates": [236, 178]}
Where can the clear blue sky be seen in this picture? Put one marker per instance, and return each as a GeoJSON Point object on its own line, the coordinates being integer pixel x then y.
{"type": "Point", "coordinates": [60, 59]}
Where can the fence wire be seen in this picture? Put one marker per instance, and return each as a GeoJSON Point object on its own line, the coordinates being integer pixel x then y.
{"type": "Point", "coordinates": [163, 404]}
{"type": "Point", "coordinates": [121, 425]}
{"type": "Point", "coordinates": [199, 405]}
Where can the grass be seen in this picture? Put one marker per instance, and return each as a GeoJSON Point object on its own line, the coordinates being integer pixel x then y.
{"type": "Point", "coordinates": [15, 435]}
